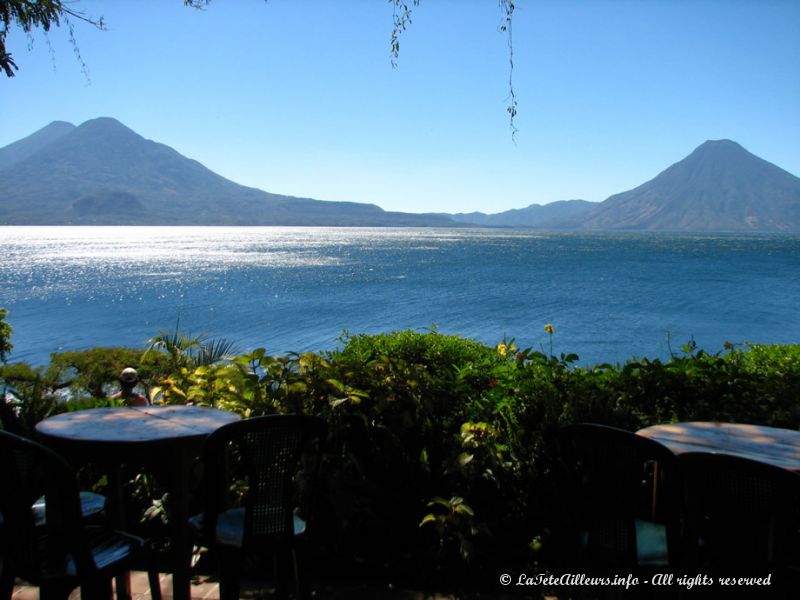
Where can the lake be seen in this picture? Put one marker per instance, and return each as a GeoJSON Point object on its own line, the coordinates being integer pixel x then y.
{"type": "Point", "coordinates": [608, 296]}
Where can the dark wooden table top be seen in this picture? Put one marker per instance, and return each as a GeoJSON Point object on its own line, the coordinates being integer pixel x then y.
{"type": "Point", "coordinates": [779, 447]}
{"type": "Point", "coordinates": [133, 425]}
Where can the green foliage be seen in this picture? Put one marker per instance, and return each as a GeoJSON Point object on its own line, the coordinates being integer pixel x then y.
{"type": "Point", "coordinates": [432, 349]}
{"type": "Point", "coordinates": [440, 460]}
{"type": "Point", "coordinates": [5, 336]}
{"type": "Point", "coordinates": [401, 17]}
{"type": "Point", "coordinates": [456, 532]}
{"type": "Point", "coordinates": [95, 371]}
{"type": "Point", "coordinates": [29, 395]}
{"type": "Point", "coordinates": [443, 417]}
{"type": "Point", "coordinates": [251, 384]}
{"type": "Point", "coordinates": [187, 351]}
{"type": "Point", "coordinates": [29, 15]}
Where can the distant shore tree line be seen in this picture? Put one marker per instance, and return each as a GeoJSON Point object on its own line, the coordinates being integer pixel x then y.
{"type": "Point", "coordinates": [441, 466]}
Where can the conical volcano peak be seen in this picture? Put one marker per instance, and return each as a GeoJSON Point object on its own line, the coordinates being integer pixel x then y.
{"type": "Point", "coordinates": [720, 186]}
{"type": "Point", "coordinates": [103, 122]}
{"type": "Point", "coordinates": [723, 143]}
{"type": "Point", "coordinates": [105, 126]}
{"type": "Point", "coordinates": [723, 153]}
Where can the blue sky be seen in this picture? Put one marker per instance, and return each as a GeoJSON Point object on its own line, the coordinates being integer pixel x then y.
{"type": "Point", "coordinates": [299, 96]}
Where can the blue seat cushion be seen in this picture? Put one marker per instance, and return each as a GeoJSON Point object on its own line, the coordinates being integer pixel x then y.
{"type": "Point", "coordinates": [651, 543]}
{"type": "Point", "coordinates": [91, 504]}
{"type": "Point", "coordinates": [230, 527]}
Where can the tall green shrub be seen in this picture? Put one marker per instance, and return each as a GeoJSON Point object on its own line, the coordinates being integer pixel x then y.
{"type": "Point", "coordinates": [441, 464]}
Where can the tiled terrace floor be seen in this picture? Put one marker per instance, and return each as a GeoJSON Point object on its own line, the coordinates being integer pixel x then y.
{"type": "Point", "coordinates": [209, 590]}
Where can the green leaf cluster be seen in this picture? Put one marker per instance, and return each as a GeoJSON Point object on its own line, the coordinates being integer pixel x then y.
{"type": "Point", "coordinates": [441, 464]}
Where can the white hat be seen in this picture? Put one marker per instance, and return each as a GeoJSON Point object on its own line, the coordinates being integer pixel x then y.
{"type": "Point", "coordinates": [129, 375]}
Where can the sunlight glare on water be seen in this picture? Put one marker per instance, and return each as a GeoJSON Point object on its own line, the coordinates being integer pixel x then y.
{"type": "Point", "coordinates": [610, 296]}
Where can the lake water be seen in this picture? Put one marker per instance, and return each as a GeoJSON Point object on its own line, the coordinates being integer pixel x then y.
{"type": "Point", "coordinates": [609, 296]}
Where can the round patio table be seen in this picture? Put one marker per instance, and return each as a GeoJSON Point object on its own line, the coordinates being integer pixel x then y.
{"type": "Point", "coordinates": [771, 445]}
{"type": "Point", "coordinates": [163, 438]}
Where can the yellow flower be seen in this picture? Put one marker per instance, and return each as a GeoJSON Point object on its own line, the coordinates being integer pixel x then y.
{"type": "Point", "coordinates": [549, 328]}
{"type": "Point", "coordinates": [502, 349]}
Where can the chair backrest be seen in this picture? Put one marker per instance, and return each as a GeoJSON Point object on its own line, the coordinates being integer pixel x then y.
{"type": "Point", "coordinates": [29, 471]}
{"type": "Point", "coordinates": [266, 454]}
{"type": "Point", "coordinates": [620, 481]}
{"type": "Point", "coordinates": [741, 513]}
{"type": "Point", "coordinates": [616, 466]}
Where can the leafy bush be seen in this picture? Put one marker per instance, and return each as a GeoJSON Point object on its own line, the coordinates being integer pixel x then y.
{"type": "Point", "coordinates": [29, 395]}
{"type": "Point", "coordinates": [95, 372]}
{"type": "Point", "coordinates": [440, 464]}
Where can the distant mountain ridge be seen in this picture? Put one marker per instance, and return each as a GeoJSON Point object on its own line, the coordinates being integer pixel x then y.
{"type": "Point", "coordinates": [22, 149]}
{"type": "Point", "coordinates": [719, 187]}
{"type": "Point", "coordinates": [540, 216]}
{"type": "Point", "coordinates": [103, 173]}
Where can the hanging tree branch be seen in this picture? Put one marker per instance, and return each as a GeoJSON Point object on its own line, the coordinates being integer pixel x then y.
{"type": "Point", "coordinates": [401, 19]}
{"type": "Point", "coordinates": [29, 15]}
{"type": "Point", "coordinates": [39, 14]}
{"type": "Point", "coordinates": [508, 7]}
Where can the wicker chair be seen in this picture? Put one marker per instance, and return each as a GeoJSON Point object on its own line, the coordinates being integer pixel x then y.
{"type": "Point", "coordinates": [264, 455]}
{"type": "Point", "coordinates": [621, 498]}
{"type": "Point", "coordinates": [63, 551]}
{"type": "Point", "coordinates": [743, 518]}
